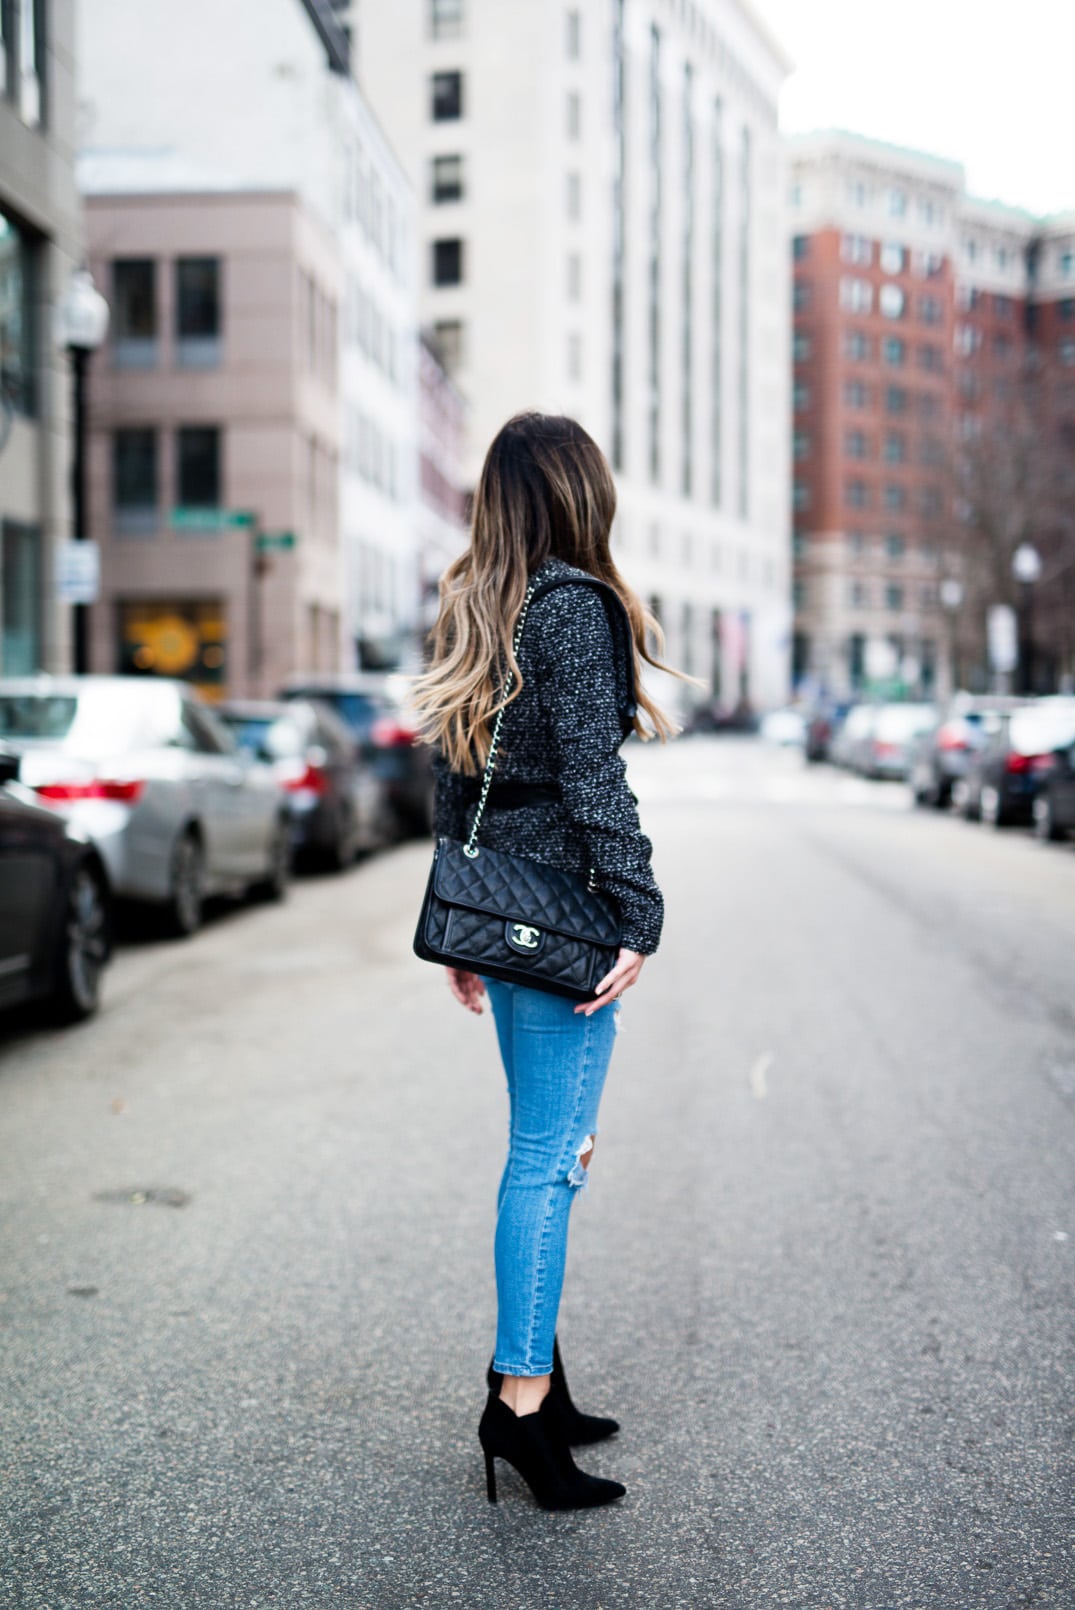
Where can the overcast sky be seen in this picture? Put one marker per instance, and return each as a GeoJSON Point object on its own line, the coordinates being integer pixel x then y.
{"type": "Point", "coordinates": [988, 82]}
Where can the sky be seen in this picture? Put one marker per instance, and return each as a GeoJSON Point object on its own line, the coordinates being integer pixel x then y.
{"type": "Point", "coordinates": [986, 82]}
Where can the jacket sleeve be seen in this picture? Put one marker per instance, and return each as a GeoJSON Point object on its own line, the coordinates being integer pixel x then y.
{"type": "Point", "coordinates": [449, 801]}
{"type": "Point", "coordinates": [575, 658]}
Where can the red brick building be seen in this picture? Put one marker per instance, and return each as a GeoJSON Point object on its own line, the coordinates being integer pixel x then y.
{"type": "Point", "coordinates": [919, 313]}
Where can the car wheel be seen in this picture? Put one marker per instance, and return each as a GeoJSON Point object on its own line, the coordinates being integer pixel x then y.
{"type": "Point", "coordinates": [344, 847]}
{"type": "Point", "coordinates": [85, 945]}
{"type": "Point", "coordinates": [274, 885]}
{"type": "Point", "coordinates": [991, 811]}
{"type": "Point", "coordinates": [942, 797]}
{"type": "Point", "coordinates": [185, 903]}
{"type": "Point", "coordinates": [1045, 822]}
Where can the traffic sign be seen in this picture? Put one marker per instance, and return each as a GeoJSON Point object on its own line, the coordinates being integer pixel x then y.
{"type": "Point", "coordinates": [193, 519]}
{"type": "Point", "coordinates": [274, 541]}
{"type": "Point", "coordinates": [78, 572]}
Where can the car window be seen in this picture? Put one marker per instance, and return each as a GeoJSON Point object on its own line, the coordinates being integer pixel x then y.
{"type": "Point", "coordinates": [204, 735]}
{"type": "Point", "coordinates": [33, 715]}
{"type": "Point", "coordinates": [1038, 729]}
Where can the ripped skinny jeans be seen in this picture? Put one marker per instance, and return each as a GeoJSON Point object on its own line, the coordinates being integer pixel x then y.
{"type": "Point", "coordinates": [555, 1062]}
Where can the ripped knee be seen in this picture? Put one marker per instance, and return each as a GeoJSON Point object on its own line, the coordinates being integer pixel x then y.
{"type": "Point", "coordinates": [578, 1172]}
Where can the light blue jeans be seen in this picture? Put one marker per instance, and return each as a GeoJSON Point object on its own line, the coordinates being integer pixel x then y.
{"type": "Point", "coordinates": [555, 1061]}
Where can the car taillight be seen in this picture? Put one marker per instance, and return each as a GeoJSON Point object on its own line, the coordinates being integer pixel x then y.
{"type": "Point", "coordinates": [125, 791]}
{"type": "Point", "coordinates": [1042, 763]}
{"type": "Point", "coordinates": [1024, 763]}
{"type": "Point", "coordinates": [951, 738]}
{"type": "Point", "coordinates": [882, 748]}
{"type": "Point", "coordinates": [310, 780]}
{"type": "Point", "coordinates": [388, 733]}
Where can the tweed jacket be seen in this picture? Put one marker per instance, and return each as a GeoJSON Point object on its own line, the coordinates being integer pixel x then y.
{"type": "Point", "coordinates": [564, 729]}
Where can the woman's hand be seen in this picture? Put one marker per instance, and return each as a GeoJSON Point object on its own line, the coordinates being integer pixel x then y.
{"type": "Point", "coordinates": [623, 975]}
{"type": "Point", "coordinates": [467, 988]}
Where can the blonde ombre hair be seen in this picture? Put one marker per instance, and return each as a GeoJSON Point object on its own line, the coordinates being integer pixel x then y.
{"type": "Point", "coordinates": [545, 490]}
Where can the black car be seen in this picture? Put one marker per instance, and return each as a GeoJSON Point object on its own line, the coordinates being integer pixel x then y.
{"type": "Point", "coordinates": [55, 905]}
{"type": "Point", "coordinates": [1054, 808]}
{"type": "Point", "coordinates": [374, 706]}
{"type": "Point", "coordinates": [1006, 776]}
{"type": "Point", "coordinates": [335, 801]}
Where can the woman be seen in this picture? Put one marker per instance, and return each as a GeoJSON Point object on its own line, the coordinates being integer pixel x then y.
{"type": "Point", "coordinates": [543, 512]}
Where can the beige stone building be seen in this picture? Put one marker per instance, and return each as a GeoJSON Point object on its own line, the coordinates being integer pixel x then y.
{"type": "Point", "coordinates": [214, 453]}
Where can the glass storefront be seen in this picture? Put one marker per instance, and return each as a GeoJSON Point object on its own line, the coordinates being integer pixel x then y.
{"type": "Point", "coordinates": [175, 637]}
{"type": "Point", "coordinates": [20, 599]}
{"type": "Point", "coordinates": [16, 320]}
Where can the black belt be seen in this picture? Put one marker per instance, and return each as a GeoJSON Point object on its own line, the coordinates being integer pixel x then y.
{"type": "Point", "coordinates": [512, 796]}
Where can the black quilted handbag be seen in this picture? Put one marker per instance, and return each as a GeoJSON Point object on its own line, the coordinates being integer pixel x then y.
{"type": "Point", "coordinates": [488, 911]}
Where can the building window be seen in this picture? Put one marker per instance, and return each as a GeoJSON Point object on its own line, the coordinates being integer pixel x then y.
{"type": "Point", "coordinates": [895, 447]}
{"type": "Point", "coordinates": [135, 491]}
{"type": "Point", "coordinates": [891, 301]}
{"type": "Point", "coordinates": [800, 396]}
{"type": "Point", "coordinates": [857, 346]}
{"type": "Point", "coordinates": [1066, 308]}
{"type": "Point", "coordinates": [574, 197]}
{"type": "Point", "coordinates": [895, 399]}
{"type": "Point", "coordinates": [895, 498]}
{"type": "Point", "coordinates": [198, 467]}
{"type": "Point", "coordinates": [930, 309]}
{"type": "Point", "coordinates": [197, 312]}
{"type": "Point", "coordinates": [855, 444]}
{"type": "Point", "coordinates": [800, 444]}
{"type": "Point", "coordinates": [800, 247]}
{"type": "Point", "coordinates": [897, 202]}
{"type": "Point", "coordinates": [894, 595]}
{"type": "Point", "coordinates": [894, 350]}
{"type": "Point", "coordinates": [448, 334]}
{"type": "Point", "coordinates": [801, 347]}
{"type": "Point", "coordinates": [574, 115]}
{"type": "Point", "coordinates": [23, 34]}
{"type": "Point", "coordinates": [445, 18]}
{"type": "Point", "coordinates": [134, 313]}
{"type": "Point", "coordinates": [801, 295]}
{"type": "Point", "coordinates": [856, 295]}
{"type": "Point", "coordinates": [447, 179]}
{"type": "Point", "coordinates": [930, 502]}
{"type": "Point", "coordinates": [447, 262]}
{"type": "Point", "coordinates": [895, 546]}
{"type": "Point", "coordinates": [931, 358]}
{"type": "Point", "coordinates": [574, 277]}
{"type": "Point", "coordinates": [893, 258]}
{"type": "Point", "coordinates": [17, 324]}
{"type": "Point", "coordinates": [858, 597]}
{"type": "Point", "coordinates": [1003, 307]}
{"type": "Point", "coordinates": [574, 35]}
{"type": "Point", "coordinates": [800, 495]}
{"type": "Point", "coordinates": [856, 249]}
{"type": "Point", "coordinates": [856, 494]}
{"type": "Point", "coordinates": [798, 593]}
{"type": "Point", "coordinates": [1067, 353]}
{"type": "Point", "coordinates": [855, 394]}
{"type": "Point", "coordinates": [20, 598]}
{"type": "Point", "coordinates": [447, 97]}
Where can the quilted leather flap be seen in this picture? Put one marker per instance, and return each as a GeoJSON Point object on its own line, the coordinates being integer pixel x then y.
{"type": "Point", "coordinates": [524, 891]}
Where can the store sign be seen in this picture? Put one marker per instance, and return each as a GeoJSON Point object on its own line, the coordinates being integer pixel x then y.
{"type": "Point", "coordinates": [78, 572]}
{"type": "Point", "coordinates": [193, 519]}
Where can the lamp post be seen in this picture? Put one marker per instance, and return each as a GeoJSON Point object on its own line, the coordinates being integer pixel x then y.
{"type": "Point", "coordinates": [81, 326]}
{"type": "Point", "coordinates": [1026, 568]}
{"type": "Point", "coordinates": [951, 593]}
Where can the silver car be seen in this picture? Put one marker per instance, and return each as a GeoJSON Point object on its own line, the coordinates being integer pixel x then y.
{"type": "Point", "coordinates": [176, 810]}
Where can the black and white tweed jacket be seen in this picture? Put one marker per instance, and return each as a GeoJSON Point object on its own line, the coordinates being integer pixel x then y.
{"type": "Point", "coordinates": [564, 729]}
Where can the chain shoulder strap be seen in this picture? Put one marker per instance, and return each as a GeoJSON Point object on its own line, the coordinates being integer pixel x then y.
{"type": "Point", "coordinates": [471, 847]}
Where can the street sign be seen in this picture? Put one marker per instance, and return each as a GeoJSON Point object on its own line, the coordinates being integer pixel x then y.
{"type": "Point", "coordinates": [78, 572]}
{"type": "Point", "coordinates": [1003, 644]}
{"type": "Point", "coordinates": [187, 519]}
{"type": "Point", "coordinates": [274, 541]}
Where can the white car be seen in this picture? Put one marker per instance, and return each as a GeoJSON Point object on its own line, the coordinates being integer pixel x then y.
{"type": "Point", "coordinates": [177, 811]}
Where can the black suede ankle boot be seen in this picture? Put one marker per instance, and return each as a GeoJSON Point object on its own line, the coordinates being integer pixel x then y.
{"type": "Point", "coordinates": [532, 1443]}
{"type": "Point", "coordinates": [575, 1427]}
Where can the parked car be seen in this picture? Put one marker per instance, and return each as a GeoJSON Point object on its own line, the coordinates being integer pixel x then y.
{"type": "Point", "coordinates": [823, 723]}
{"type": "Point", "coordinates": [784, 727]}
{"type": "Point", "coordinates": [848, 745]}
{"type": "Point", "coordinates": [941, 755]}
{"type": "Point", "coordinates": [1054, 806]}
{"type": "Point", "coordinates": [1006, 775]}
{"type": "Point", "coordinates": [336, 803]}
{"type": "Point", "coordinates": [374, 706]}
{"type": "Point", "coordinates": [55, 907]}
{"type": "Point", "coordinates": [885, 749]}
{"type": "Point", "coordinates": [147, 772]}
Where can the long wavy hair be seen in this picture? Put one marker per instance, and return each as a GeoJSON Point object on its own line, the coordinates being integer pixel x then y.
{"type": "Point", "coordinates": [545, 489]}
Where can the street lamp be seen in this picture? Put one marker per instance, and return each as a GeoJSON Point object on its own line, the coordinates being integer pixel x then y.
{"type": "Point", "coordinates": [81, 326]}
{"type": "Point", "coordinates": [1026, 568]}
{"type": "Point", "coordinates": [951, 594]}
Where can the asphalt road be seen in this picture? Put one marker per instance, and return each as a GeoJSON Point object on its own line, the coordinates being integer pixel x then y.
{"type": "Point", "coordinates": [823, 1272]}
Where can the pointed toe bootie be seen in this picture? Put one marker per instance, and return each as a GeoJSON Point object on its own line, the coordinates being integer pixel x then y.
{"type": "Point", "coordinates": [532, 1444]}
{"type": "Point", "coordinates": [575, 1427]}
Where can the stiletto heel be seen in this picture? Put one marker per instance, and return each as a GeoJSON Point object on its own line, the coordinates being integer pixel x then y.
{"type": "Point", "coordinates": [574, 1426]}
{"type": "Point", "coordinates": [533, 1445]}
{"type": "Point", "coordinates": [490, 1478]}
